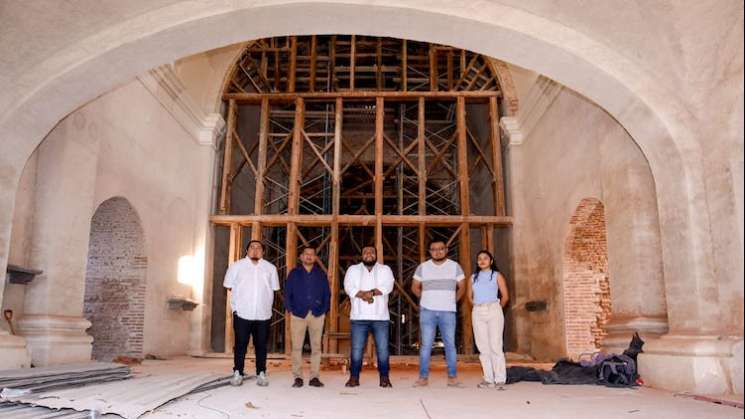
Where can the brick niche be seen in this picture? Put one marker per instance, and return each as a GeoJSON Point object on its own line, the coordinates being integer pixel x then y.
{"type": "Point", "coordinates": [587, 304]}
{"type": "Point", "coordinates": [115, 281]}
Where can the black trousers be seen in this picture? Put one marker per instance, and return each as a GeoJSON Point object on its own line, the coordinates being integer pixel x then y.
{"type": "Point", "coordinates": [258, 330]}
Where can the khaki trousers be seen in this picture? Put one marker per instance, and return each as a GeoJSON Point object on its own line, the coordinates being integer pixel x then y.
{"type": "Point", "coordinates": [314, 326]}
{"type": "Point", "coordinates": [488, 326]}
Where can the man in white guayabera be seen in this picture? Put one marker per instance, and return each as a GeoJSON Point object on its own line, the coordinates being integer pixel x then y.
{"type": "Point", "coordinates": [253, 282]}
{"type": "Point", "coordinates": [368, 284]}
{"type": "Point", "coordinates": [439, 284]}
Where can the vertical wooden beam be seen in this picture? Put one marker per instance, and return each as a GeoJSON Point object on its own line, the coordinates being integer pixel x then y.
{"type": "Point", "coordinates": [490, 238]}
{"type": "Point", "coordinates": [465, 231]}
{"type": "Point", "coordinates": [332, 64]}
{"type": "Point", "coordinates": [261, 167]}
{"type": "Point", "coordinates": [234, 253]}
{"type": "Point", "coordinates": [379, 119]}
{"type": "Point", "coordinates": [352, 60]}
{"type": "Point", "coordinates": [433, 76]}
{"type": "Point", "coordinates": [379, 64]}
{"type": "Point", "coordinates": [464, 254]}
{"type": "Point", "coordinates": [264, 65]}
{"type": "Point", "coordinates": [293, 200]}
{"type": "Point", "coordinates": [450, 69]}
{"type": "Point", "coordinates": [496, 148]}
{"type": "Point", "coordinates": [277, 73]}
{"type": "Point", "coordinates": [290, 261]}
{"type": "Point", "coordinates": [261, 163]}
{"type": "Point", "coordinates": [422, 237]}
{"type": "Point", "coordinates": [422, 178]}
{"type": "Point", "coordinates": [296, 159]}
{"type": "Point", "coordinates": [227, 159]}
{"type": "Point", "coordinates": [334, 243]}
{"type": "Point", "coordinates": [338, 121]}
{"type": "Point", "coordinates": [463, 177]}
{"type": "Point", "coordinates": [421, 159]}
{"type": "Point", "coordinates": [404, 66]}
{"type": "Point", "coordinates": [484, 242]}
{"type": "Point", "coordinates": [293, 65]}
{"type": "Point", "coordinates": [313, 58]}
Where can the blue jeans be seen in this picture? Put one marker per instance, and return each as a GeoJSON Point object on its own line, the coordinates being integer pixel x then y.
{"type": "Point", "coordinates": [429, 321]}
{"type": "Point", "coordinates": [360, 329]}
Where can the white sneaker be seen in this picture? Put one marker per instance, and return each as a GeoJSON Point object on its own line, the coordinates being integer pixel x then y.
{"type": "Point", "coordinates": [261, 380]}
{"type": "Point", "coordinates": [485, 384]}
{"type": "Point", "coordinates": [237, 379]}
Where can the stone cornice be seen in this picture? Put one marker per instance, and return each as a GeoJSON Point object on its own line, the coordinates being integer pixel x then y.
{"type": "Point", "coordinates": [540, 97]}
{"type": "Point", "coordinates": [164, 84]}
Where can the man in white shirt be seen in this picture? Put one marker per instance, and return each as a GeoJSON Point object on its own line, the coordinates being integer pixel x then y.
{"type": "Point", "coordinates": [439, 285]}
{"type": "Point", "coordinates": [368, 284]}
{"type": "Point", "coordinates": [253, 282]}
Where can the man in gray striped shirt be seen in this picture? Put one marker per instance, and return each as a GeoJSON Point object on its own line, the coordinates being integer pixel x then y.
{"type": "Point", "coordinates": [439, 285]}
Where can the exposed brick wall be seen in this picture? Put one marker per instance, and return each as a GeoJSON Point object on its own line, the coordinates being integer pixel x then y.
{"type": "Point", "coordinates": [115, 281]}
{"type": "Point", "coordinates": [587, 305]}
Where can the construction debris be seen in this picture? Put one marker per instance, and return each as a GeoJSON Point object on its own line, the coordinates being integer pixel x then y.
{"type": "Point", "coordinates": [128, 399]}
{"type": "Point", "coordinates": [36, 380]}
{"type": "Point", "coordinates": [22, 411]}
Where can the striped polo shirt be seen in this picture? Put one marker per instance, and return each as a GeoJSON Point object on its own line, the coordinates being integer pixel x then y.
{"type": "Point", "coordinates": [439, 284]}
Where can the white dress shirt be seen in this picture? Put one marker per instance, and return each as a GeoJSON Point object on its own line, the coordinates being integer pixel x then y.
{"type": "Point", "coordinates": [253, 286]}
{"type": "Point", "coordinates": [359, 278]}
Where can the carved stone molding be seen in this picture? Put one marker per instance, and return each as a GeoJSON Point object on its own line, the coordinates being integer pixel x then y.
{"type": "Point", "coordinates": [164, 84]}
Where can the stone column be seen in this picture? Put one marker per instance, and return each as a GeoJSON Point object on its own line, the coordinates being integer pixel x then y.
{"type": "Point", "coordinates": [52, 323]}
{"type": "Point", "coordinates": [201, 317]}
{"type": "Point", "coordinates": [520, 320]}
{"type": "Point", "coordinates": [13, 351]}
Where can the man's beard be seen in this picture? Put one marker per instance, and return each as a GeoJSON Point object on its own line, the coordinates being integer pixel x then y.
{"type": "Point", "coordinates": [369, 263]}
{"type": "Point", "coordinates": [254, 258]}
{"type": "Point", "coordinates": [439, 259]}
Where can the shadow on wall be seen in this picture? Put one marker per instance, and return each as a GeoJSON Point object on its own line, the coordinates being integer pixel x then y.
{"type": "Point", "coordinates": [587, 304]}
{"type": "Point", "coordinates": [115, 281]}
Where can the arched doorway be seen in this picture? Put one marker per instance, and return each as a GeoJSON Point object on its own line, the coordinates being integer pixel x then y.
{"type": "Point", "coordinates": [115, 281]}
{"type": "Point", "coordinates": [342, 141]}
{"type": "Point", "coordinates": [587, 304]}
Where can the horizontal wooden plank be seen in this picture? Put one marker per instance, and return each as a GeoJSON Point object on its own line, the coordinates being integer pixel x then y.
{"type": "Point", "coordinates": [361, 220]}
{"type": "Point", "coordinates": [360, 94]}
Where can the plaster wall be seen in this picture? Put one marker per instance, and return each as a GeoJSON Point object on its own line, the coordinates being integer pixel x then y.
{"type": "Point", "coordinates": [141, 153]}
{"type": "Point", "coordinates": [578, 151]}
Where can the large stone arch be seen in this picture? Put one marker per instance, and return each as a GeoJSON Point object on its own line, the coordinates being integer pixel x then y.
{"type": "Point", "coordinates": [655, 117]}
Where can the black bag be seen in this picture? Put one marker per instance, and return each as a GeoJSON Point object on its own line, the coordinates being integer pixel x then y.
{"type": "Point", "coordinates": [618, 371]}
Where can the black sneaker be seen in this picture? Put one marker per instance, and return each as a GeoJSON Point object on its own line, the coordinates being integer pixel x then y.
{"type": "Point", "coordinates": [315, 382]}
{"type": "Point", "coordinates": [298, 383]}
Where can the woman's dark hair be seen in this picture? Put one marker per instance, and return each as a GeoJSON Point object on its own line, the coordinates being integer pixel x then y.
{"type": "Point", "coordinates": [494, 268]}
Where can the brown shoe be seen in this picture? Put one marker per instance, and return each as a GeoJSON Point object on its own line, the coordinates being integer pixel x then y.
{"type": "Point", "coordinates": [352, 382]}
{"type": "Point", "coordinates": [385, 382]}
{"type": "Point", "coordinates": [453, 382]}
{"type": "Point", "coordinates": [421, 382]}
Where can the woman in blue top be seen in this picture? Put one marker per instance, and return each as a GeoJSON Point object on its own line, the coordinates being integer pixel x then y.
{"type": "Point", "coordinates": [489, 295]}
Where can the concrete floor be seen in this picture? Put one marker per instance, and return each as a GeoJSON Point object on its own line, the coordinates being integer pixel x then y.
{"type": "Point", "coordinates": [522, 400]}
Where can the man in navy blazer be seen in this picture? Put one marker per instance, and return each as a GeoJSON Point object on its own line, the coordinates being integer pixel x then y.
{"type": "Point", "coordinates": [307, 299]}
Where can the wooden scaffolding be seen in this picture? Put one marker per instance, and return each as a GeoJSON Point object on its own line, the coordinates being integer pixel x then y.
{"type": "Point", "coordinates": [361, 140]}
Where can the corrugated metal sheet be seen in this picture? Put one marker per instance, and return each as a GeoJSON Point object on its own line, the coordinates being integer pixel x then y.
{"type": "Point", "coordinates": [20, 411]}
{"type": "Point", "coordinates": [46, 378]}
{"type": "Point", "coordinates": [130, 398]}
